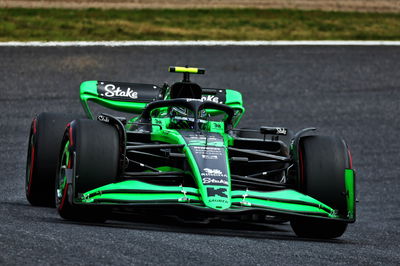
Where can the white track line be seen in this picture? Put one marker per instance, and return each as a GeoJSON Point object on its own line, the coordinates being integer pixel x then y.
{"type": "Point", "coordinates": [202, 43]}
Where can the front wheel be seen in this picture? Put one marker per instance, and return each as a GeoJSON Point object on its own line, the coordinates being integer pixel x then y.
{"type": "Point", "coordinates": [88, 160]}
{"type": "Point", "coordinates": [323, 161]}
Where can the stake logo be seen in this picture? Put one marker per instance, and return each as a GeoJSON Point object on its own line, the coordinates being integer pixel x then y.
{"type": "Point", "coordinates": [211, 98]}
{"type": "Point", "coordinates": [214, 181]}
{"type": "Point", "coordinates": [112, 91]}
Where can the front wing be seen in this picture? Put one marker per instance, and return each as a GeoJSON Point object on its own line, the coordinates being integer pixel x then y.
{"type": "Point", "coordinates": [286, 202]}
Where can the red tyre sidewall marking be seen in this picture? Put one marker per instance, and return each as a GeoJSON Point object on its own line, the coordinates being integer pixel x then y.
{"type": "Point", "coordinates": [71, 139]}
{"type": "Point", "coordinates": [32, 156]}
{"type": "Point", "coordinates": [350, 158]}
{"type": "Point", "coordinates": [63, 197]}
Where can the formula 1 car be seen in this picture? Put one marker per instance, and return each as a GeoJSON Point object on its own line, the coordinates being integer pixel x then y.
{"type": "Point", "coordinates": [181, 153]}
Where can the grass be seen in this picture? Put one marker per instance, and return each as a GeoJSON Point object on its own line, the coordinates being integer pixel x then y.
{"type": "Point", "coordinates": [19, 24]}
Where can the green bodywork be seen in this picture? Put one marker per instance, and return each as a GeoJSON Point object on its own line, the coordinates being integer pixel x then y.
{"type": "Point", "coordinates": [88, 93]}
{"type": "Point", "coordinates": [286, 200]}
{"type": "Point", "coordinates": [131, 192]}
{"type": "Point", "coordinates": [350, 195]}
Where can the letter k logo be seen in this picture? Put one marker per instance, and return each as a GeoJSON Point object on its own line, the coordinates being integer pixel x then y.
{"type": "Point", "coordinates": [216, 192]}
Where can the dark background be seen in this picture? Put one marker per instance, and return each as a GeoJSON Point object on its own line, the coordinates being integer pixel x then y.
{"type": "Point", "coordinates": [352, 92]}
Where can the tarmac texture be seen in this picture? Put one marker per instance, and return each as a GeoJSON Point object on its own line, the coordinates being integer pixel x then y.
{"type": "Point", "coordinates": [352, 92]}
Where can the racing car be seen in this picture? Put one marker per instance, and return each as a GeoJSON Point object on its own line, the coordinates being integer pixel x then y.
{"type": "Point", "coordinates": [180, 152]}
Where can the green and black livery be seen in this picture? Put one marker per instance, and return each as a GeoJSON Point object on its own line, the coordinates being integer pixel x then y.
{"type": "Point", "coordinates": [181, 153]}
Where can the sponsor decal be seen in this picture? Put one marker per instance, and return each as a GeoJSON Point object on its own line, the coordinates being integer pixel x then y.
{"type": "Point", "coordinates": [211, 98]}
{"type": "Point", "coordinates": [209, 157]}
{"type": "Point", "coordinates": [221, 192]}
{"type": "Point", "coordinates": [212, 172]}
{"type": "Point", "coordinates": [208, 150]}
{"type": "Point", "coordinates": [203, 138]}
{"type": "Point", "coordinates": [211, 137]}
{"type": "Point", "coordinates": [113, 91]}
{"type": "Point", "coordinates": [214, 177]}
{"type": "Point", "coordinates": [214, 181]}
{"type": "Point", "coordinates": [281, 131]}
{"type": "Point", "coordinates": [127, 92]}
{"type": "Point", "coordinates": [103, 118]}
{"type": "Point", "coordinates": [211, 160]}
{"type": "Point", "coordinates": [218, 200]}
{"type": "Point", "coordinates": [193, 100]}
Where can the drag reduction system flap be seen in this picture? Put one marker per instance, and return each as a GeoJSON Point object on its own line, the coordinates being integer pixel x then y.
{"type": "Point", "coordinates": [120, 96]}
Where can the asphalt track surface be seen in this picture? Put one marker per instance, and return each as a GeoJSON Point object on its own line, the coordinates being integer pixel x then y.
{"type": "Point", "coordinates": [353, 92]}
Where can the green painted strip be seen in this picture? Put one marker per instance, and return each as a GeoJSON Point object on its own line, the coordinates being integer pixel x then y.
{"type": "Point", "coordinates": [291, 201]}
{"type": "Point", "coordinates": [151, 202]}
{"type": "Point", "coordinates": [287, 199]}
{"type": "Point", "coordinates": [144, 197]}
{"type": "Point", "coordinates": [134, 184]}
{"type": "Point", "coordinates": [350, 192]}
{"type": "Point", "coordinates": [282, 195]}
{"type": "Point", "coordinates": [288, 207]}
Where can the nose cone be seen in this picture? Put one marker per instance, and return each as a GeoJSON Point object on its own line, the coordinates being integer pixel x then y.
{"type": "Point", "coordinates": [208, 159]}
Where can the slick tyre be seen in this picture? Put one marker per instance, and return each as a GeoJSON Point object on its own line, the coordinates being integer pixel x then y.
{"type": "Point", "coordinates": [45, 137]}
{"type": "Point", "coordinates": [323, 161]}
{"type": "Point", "coordinates": [89, 158]}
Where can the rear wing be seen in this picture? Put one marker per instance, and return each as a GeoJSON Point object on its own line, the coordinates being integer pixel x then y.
{"type": "Point", "coordinates": [133, 97]}
{"type": "Point", "coordinates": [229, 97]}
{"type": "Point", "coordinates": [120, 96]}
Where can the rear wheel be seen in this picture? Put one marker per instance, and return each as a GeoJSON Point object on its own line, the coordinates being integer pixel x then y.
{"type": "Point", "coordinates": [323, 161]}
{"type": "Point", "coordinates": [88, 159]}
{"type": "Point", "coordinates": [44, 143]}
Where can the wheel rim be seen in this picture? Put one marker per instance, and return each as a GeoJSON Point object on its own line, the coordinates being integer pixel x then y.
{"type": "Point", "coordinates": [61, 181]}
